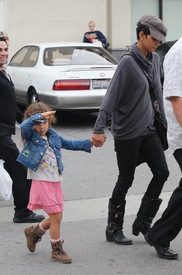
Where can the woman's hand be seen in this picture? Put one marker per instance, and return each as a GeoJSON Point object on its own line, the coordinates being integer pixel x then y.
{"type": "Point", "coordinates": [98, 139]}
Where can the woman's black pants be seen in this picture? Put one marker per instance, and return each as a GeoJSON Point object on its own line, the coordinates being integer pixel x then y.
{"type": "Point", "coordinates": [131, 153]}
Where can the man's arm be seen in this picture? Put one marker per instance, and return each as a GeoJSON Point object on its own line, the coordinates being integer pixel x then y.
{"type": "Point", "coordinates": [176, 102]}
{"type": "Point", "coordinates": [19, 115]}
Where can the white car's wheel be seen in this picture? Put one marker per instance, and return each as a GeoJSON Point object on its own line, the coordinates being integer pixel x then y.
{"type": "Point", "coordinates": [33, 97]}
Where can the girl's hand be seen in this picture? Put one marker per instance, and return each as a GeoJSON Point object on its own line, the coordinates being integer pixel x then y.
{"type": "Point", "coordinates": [98, 139]}
{"type": "Point", "coordinates": [48, 115]}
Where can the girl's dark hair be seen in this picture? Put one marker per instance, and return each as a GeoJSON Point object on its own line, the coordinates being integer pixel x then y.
{"type": "Point", "coordinates": [142, 28]}
{"type": "Point", "coordinates": [36, 108]}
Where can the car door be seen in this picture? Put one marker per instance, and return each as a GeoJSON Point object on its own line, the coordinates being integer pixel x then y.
{"type": "Point", "coordinates": [21, 68]}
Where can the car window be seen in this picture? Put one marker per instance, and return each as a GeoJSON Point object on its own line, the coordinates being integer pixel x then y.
{"type": "Point", "coordinates": [18, 58]}
{"type": "Point", "coordinates": [85, 57]}
{"type": "Point", "coordinates": [31, 57]}
{"type": "Point", "coordinates": [162, 50]}
{"type": "Point", "coordinates": [26, 57]}
{"type": "Point", "coordinates": [77, 56]}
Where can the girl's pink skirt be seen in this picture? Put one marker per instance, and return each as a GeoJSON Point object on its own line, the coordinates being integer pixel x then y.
{"type": "Point", "coordinates": [47, 196]}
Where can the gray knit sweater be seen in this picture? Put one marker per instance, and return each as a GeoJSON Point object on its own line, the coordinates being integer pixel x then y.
{"type": "Point", "coordinates": [127, 101]}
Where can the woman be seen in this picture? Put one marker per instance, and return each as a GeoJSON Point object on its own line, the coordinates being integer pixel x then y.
{"type": "Point", "coordinates": [94, 36]}
{"type": "Point", "coordinates": [129, 104]}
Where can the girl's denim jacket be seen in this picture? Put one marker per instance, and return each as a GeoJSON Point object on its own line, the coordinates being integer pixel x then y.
{"type": "Point", "coordinates": [35, 146]}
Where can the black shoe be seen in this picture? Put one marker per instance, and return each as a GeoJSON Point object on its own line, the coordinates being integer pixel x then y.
{"type": "Point", "coordinates": [162, 251]}
{"type": "Point", "coordinates": [32, 218]}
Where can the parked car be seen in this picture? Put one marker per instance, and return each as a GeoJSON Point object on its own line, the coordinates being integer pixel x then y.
{"type": "Point", "coordinates": [164, 48]}
{"type": "Point", "coordinates": [63, 75]}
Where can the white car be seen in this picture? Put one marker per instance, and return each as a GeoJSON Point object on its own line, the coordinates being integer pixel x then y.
{"type": "Point", "coordinates": [65, 76]}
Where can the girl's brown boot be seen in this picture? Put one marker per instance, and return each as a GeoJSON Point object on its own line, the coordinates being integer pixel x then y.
{"type": "Point", "coordinates": [34, 235]}
{"type": "Point", "coordinates": [58, 254]}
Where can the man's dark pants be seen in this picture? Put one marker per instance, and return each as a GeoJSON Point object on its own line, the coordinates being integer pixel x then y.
{"type": "Point", "coordinates": [169, 225]}
{"type": "Point", "coordinates": [18, 173]}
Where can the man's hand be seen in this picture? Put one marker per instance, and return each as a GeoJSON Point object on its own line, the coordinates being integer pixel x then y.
{"type": "Point", "coordinates": [98, 139]}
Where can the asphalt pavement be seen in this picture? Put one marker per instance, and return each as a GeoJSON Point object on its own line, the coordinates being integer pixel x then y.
{"type": "Point", "coordinates": [83, 226]}
{"type": "Point", "coordinates": [83, 231]}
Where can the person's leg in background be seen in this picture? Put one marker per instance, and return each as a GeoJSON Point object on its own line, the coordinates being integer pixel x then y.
{"type": "Point", "coordinates": [21, 186]}
{"type": "Point", "coordinates": [169, 225]}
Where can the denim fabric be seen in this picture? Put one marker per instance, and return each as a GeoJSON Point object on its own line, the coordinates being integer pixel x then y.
{"type": "Point", "coordinates": [147, 148]}
{"type": "Point", "coordinates": [35, 147]}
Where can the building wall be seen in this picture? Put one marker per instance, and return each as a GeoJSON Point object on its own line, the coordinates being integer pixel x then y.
{"type": "Point", "coordinates": [31, 21]}
{"type": "Point", "coordinates": [28, 21]}
{"type": "Point", "coordinates": [2, 15]}
{"type": "Point", "coordinates": [120, 23]}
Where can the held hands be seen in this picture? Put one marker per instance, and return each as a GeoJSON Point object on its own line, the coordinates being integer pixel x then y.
{"type": "Point", "coordinates": [98, 139]}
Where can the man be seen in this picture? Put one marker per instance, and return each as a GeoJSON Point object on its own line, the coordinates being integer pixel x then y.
{"type": "Point", "coordinates": [9, 114]}
{"type": "Point", "coordinates": [169, 225]}
{"type": "Point", "coordinates": [129, 104]}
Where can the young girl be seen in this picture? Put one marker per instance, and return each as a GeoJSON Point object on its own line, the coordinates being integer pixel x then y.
{"type": "Point", "coordinates": [41, 155]}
